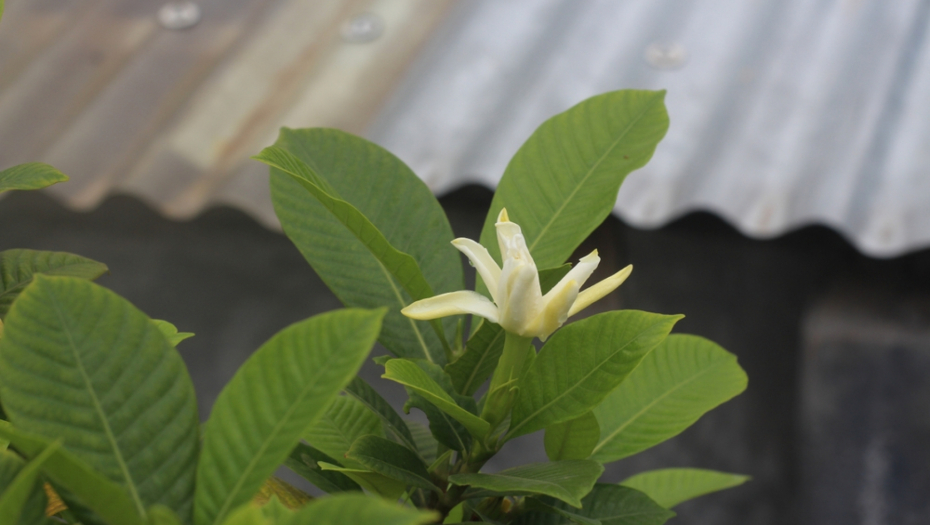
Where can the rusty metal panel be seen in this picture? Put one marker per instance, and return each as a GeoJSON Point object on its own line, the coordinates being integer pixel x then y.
{"type": "Point", "coordinates": [124, 103]}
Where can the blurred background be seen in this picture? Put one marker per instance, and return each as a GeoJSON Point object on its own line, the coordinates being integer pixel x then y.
{"type": "Point", "coordinates": [786, 213]}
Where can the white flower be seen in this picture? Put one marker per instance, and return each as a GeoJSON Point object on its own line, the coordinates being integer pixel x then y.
{"type": "Point", "coordinates": [519, 305]}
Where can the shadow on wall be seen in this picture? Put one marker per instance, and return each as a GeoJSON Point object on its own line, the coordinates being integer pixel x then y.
{"type": "Point", "coordinates": [843, 445]}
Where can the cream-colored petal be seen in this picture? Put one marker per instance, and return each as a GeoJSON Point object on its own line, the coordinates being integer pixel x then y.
{"type": "Point", "coordinates": [599, 290]}
{"type": "Point", "coordinates": [453, 303]}
{"type": "Point", "coordinates": [487, 268]}
{"type": "Point", "coordinates": [520, 296]}
{"type": "Point", "coordinates": [579, 274]}
{"type": "Point", "coordinates": [555, 311]}
{"type": "Point", "coordinates": [506, 231]}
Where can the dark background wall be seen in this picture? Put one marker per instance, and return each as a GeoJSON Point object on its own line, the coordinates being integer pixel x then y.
{"type": "Point", "coordinates": [799, 306]}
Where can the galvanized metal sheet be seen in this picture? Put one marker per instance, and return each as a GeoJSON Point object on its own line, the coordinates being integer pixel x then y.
{"type": "Point", "coordinates": [783, 113]}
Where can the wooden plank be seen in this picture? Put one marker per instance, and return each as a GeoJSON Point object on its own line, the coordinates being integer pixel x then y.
{"type": "Point", "coordinates": [106, 140]}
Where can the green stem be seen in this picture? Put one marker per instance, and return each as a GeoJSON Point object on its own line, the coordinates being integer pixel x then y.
{"type": "Point", "coordinates": [509, 367]}
{"type": "Point", "coordinates": [500, 395]}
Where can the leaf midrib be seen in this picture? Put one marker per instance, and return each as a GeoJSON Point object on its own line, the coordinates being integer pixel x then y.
{"type": "Point", "coordinates": [16, 289]}
{"type": "Point", "coordinates": [645, 408]}
{"type": "Point", "coordinates": [333, 195]}
{"type": "Point", "coordinates": [582, 380]}
{"type": "Point", "coordinates": [392, 467]}
{"type": "Point", "coordinates": [562, 490]}
{"type": "Point", "coordinates": [450, 423]}
{"type": "Point", "coordinates": [584, 179]}
{"type": "Point", "coordinates": [383, 415]}
{"type": "Point", "coordinates": [111, 438]}
{"type": "Point", "coordinates": [487, 351]}
{"type": "Point", "coordinates": [403, 304]}
{"type": "Point", "coordinates": [427, 394]}
{"type": "Point", "coordinates": [251, 465]}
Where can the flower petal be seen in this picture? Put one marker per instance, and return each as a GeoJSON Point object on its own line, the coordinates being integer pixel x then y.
{"type": "Point", "coordinates": [487, 268]}
{"type": "Point", "coordinates": [453, 303]}
{"type": "Point", "coordinates": [506, 231]}
{"type": "Point", "coordinates": [556, 309]}
{"type": "Point", "coordinates": [521, 298]}
{"type": "Point", "coordinates": [599, 290]}
{"type": "Point", "coordinates": [580, 273]}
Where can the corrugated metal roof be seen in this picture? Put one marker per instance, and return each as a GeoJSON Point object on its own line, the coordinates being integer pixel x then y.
{"type": "Point", "coordinates": [784, 112]}
{"type": "Point", "coordinates": [102, 91]}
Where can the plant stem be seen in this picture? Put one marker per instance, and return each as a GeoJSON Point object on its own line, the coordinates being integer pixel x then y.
{"type": "Point", "coordinates": [511, 363]}
{"type": "Point", "coordinates": [500, 394]}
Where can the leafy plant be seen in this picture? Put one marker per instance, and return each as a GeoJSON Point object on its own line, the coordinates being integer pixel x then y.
{"type": "Point", "coordinates": [101, 412]}
{"type": "Point", "coordinates": [602, 388]}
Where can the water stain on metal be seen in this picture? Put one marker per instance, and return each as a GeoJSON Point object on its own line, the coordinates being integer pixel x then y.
{"type": "Point", "coordinates": [666, 55]}
{"type": "Point", "coordinates": [179, 15]}
{"type": "Point", "coordinates": [363, 28]}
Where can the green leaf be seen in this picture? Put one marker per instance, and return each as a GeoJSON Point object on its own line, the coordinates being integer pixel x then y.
{"type": "Point", "coordinates": [18, 266]}
{"type": "Point", "coordinates": [455, 515]}
{"type": "Point", "coordinates": [409, 374]}
{"type": "Point", "coordinates": [572, 439]}
{"type": "Point", "coordinates": [442, 465]}
{"type": "Point", "coordinates": [568, 481]}
{"type": "Point", "coordinates": [485, 346]}
{"type": "Point", "coordinates": [370, 179]}
{"type": "Point", "coordinates": [275, 510]}
{"type": "Point", "coordinates": [563, 181]}
{"type": "Point", "coordinates": [442, 426]}
{"type": "Point", "coordinates": [398, 264]}
{"type": "Point", "coordinates": [482, 352]}
{"type": "Point", "coordinates": [368, 396]}
{"type": "Point", "coordinates": [616, 505]}
{"type": "Point", "coordinates": [277, 492]}
{"type": "Point", "coordinates": [388, 488]}
{"type": "Point", "coordinates": [161, 515]}
{"type": "Point", "coordinates": [392, 460]}
{"type": "Point", "coordinates": [671, 486]}
{"type": "Point", "coordinates": [346, 420]}
{"type": "Point", "coordinates": [33, 510]}
{"type": "Point", "coordinates": [80, 363]}
{"type": "Point", "coordinates": [19, 495]}
{"type": "Point", "coordinates": [285, 387]}
{"type": "Point", "coordinates": [356, 509]}
{"type": "Point", "coordinates": [105, 497]}
{"type": "Point", "coordinates": [248, 514]}
{"type": "Point", "coordinates": [30, 176]}
{"type": "Point", "coordinates": [427, 444]}
{"type": "Point", "coordinates": [171, 332]}
{"type": "Point", "coordinates": [675, 384]}
{"type": "Point", "coordinates": [304, 460]}
{"type": "Point", "coordinates": [582, 363]}
{"type": "Point", "coordinates": [545, 505]}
